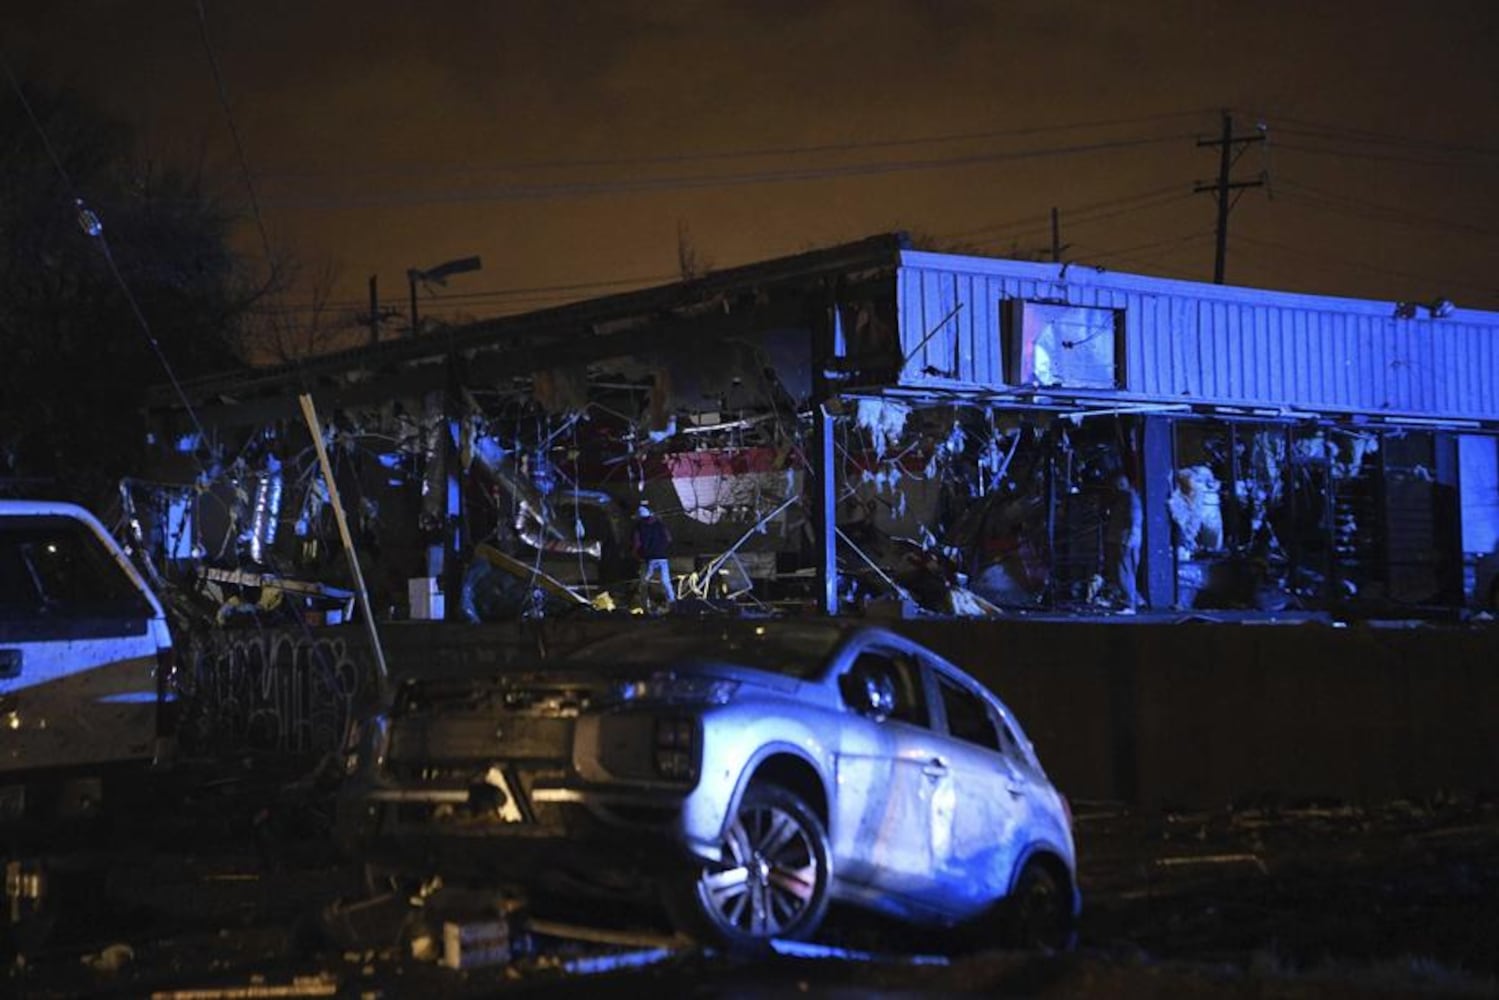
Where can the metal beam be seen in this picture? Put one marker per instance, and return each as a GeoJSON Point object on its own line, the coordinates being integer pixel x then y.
{"type": "Point", "coordinates": [824, 489]}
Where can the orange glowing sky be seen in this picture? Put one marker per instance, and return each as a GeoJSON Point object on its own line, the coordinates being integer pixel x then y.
{"type": "Point", "coordinates": [569, 142]}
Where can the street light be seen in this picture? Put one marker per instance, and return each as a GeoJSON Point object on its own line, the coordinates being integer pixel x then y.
{"type": "Point", "coordinates": [437, 276]}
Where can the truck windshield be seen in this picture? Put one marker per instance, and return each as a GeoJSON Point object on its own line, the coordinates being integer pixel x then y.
{"type": "Point", "coordinates": [55, 566]}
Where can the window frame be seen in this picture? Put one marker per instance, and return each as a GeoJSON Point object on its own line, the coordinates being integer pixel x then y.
{"type": "Point", "coordinates": [1019, 352]}
{"type": "Point", "coordinates": [942, 681]}
{"type": "Point", "coordinates": [901, 660]}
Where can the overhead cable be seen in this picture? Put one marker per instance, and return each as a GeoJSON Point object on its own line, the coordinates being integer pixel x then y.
{"type": "Point", "coordinates": [93, 228]}
{"type": "Point", "coordinates": [533, 192]}
{"type": "Point", "coordinates": [239, 146]}
{"type": "Point", "coordinates": [821, 149]}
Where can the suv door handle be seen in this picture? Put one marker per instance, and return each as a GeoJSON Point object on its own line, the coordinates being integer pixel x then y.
{"type": "Point", "coordinates": [934, 768]}
{"type": "Point", "coordinates": [10, 664]}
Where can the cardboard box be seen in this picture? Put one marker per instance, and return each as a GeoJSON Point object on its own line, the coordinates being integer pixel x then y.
{"type": "Point", "coordinates": [426, 598]}
{"type": "Point", "coordinates": [475, 943]}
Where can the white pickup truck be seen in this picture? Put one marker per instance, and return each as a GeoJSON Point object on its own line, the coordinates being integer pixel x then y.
{"type": "Point", "coordinates": [85, 659]}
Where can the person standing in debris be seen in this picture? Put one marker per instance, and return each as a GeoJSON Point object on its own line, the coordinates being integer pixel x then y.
{"type": "Point", "coordinates": [1122, 541]}
{"type": "Point", "coordinates": [651, 543]}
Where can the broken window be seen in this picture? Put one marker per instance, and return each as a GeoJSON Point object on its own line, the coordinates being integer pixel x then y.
{"type": "Point", "coordinates": [1066, 346]}
{"type": "Point", "coordinates": [1420, 510]}
{"type": "Point", "coordinates": [891, 681]}
{"type": "Point", "coordinates": [968, 716]}
{"type": "Point", "coordinates": [1268, 516]}
{"type": "Point", "coordinates": [1229, 509]}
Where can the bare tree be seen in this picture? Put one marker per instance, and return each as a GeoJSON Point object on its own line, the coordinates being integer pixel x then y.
{"type": "Point", "coordinates": [689, 264]}
{"type": "Point", "coordinates": [283, 330]}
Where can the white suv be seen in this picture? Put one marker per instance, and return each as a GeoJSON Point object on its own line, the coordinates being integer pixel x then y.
{"type": "Point", "coordinates": [749, 771]}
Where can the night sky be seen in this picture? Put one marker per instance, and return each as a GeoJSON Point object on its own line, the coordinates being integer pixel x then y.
{"type": "Point", "coordinates": [570, 143]}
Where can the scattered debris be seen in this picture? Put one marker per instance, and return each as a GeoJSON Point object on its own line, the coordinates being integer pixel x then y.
{"type": "Point", "coordinates": [321, 985]}
{"type": "Point", "coordinates": [1214, 859]}
{"type": "Point", "coordinates": [605, 935]}
{"type": "Point", "coordinates": [476, 943]}
{"type": "Point", "coordinates": [111, 959]}
{"type": "Point", "coordinates": [617, 962]}
{"type": "Point", "coordinates": [812, 950]}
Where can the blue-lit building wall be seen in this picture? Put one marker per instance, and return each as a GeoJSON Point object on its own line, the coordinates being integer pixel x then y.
{"type": "Point", "coordinates": [1396, 385]}
{"type": "Point", "coordinates": [1199, 343]}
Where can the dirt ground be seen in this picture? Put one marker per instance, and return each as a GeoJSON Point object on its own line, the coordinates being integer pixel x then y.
{"type": "Point", "coordinates": [221, 887]}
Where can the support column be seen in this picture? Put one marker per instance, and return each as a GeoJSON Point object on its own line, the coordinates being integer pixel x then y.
{"type": "Point", "coordinates": [1447, 518]}
{"type": "Point", "coordinates": [823, 488]}
{"type": "Point", "coordinates": [452, 505]}
{"type": "Point", "coordinates": [1157, 466]}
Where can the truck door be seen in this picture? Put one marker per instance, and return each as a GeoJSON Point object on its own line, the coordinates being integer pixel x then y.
{"type": "Point", "coordinates": [78, 649]}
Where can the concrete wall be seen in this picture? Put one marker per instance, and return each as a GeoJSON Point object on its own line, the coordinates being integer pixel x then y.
{"type": "Point", "coordinates": [1160, 715]}
{"type": "Point", "coordinates": [1205, 714]}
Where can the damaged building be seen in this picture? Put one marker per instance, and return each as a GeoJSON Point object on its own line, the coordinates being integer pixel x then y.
{"type": "Point", "coordinates": [864, 425]}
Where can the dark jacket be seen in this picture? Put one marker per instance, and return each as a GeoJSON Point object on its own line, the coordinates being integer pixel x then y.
{"type": "Point", "coordinates": [651, 539]}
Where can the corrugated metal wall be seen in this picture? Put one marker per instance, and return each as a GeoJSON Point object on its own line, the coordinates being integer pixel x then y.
{"type": "Point", "coordinates": [1189, 342]}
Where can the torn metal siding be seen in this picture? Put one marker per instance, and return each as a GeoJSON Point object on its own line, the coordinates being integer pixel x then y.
{"type": "Point", "coordinates": [1190, 342]}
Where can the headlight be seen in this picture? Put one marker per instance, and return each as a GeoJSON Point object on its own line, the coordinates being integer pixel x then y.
{"type": "Point", "coordinates": [692, 689]}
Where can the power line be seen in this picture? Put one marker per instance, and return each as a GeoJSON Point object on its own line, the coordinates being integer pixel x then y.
{"type": "Point", "coordinates": [1353, 154]}
{"type": "Point", "coordinates": [1171, 241]}
{"type": "Point", "coordinates": [1329, 262]}
{"type": "Point", "coordinates": [1079, 216]}
{"type": "Point", "coordinates": [1368, 137]}
{"type": "Point", "coordinates": [1074, 213]}
{"type": "Point", "coordinates": [532, 192]}
{"type": "Point", "coordinates": [239, 146]}
{"type": "Point", "coordinates": [727, 155]}
{"type": "Point", "coordinates": [1088, 219]}
{"type": "Point", "coordinates": [1375, 212]}
{"type": "Point", "coordinates": [92, 227]}
{"type": "Point", "coordinates": [1166, 251]}
{"type": "Point", "coordinates": [496, 292]}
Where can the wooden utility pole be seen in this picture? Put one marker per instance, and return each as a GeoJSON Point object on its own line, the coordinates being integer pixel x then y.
{"type": "Point", "coordinates": [1229, 151]}
{"type": "Point", "coordinates": [1056, 237]}
{"type": "Point", "coordinates": [374, 311]}
{"type": "Point", "coordinates": [315, 428]}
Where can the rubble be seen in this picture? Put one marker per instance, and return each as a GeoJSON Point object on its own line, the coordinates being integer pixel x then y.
{"type": "Point", "coordinates": [111, 959]}
{"type": "Point", "coordinates": [258, 988]}
{"type": "Point", "coordinates": [1295, 896]}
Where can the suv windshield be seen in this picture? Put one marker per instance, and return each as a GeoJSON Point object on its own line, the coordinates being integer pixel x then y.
{"type": "Point", "coordinates": [797, 650]}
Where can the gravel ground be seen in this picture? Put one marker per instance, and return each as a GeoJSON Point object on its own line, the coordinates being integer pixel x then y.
{"type": "Point", "coordinates": [205, 893]}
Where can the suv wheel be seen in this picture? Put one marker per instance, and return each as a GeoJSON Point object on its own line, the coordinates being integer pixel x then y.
{"type": "Point", "coordinates": [1038, 911]}
{"type": "Point", "coordinates": [773, 879]}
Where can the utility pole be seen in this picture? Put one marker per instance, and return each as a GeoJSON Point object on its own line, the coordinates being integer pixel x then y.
{"type": "Point", "coordinates": [374, 311]}
{"type": "Point", "coordinates": [376, 314]}
{"type": "Point", "coordinates": [412, 277]}
{"type": "Point", "coordinates": [1229, 151]}
{"type": "Point", "coordinates": [1056, 237]}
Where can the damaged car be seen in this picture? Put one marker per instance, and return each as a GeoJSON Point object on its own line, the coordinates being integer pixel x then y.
{"type": "Point", "coordinates": [750, 773]}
